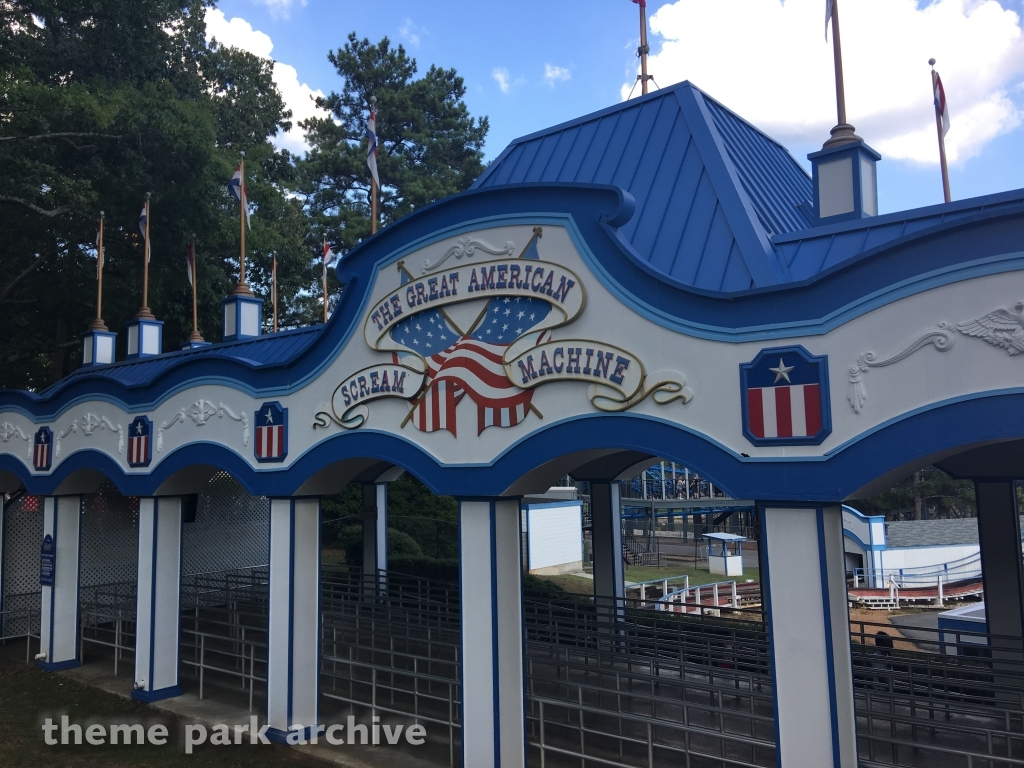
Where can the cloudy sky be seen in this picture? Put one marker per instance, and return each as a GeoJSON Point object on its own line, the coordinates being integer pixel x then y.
{"type": "Point", "coordinates": [533, 63]}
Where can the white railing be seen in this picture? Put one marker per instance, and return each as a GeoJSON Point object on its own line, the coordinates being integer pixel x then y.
{"type": "Point", "coordinates": [692, 599]}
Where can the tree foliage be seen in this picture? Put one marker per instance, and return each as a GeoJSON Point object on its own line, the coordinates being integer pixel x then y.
{"type": "Point", "coordinates": [927, 494]}
{"type": "Point", "coordinates": [103, 101]}
{"type": "Point", "coordinates": [429, 146]}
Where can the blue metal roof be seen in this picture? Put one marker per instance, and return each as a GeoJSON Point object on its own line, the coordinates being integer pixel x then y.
{"type": "Point", "coordinates": [812, 252]}
{"type": "Point", "coordinates": [710, 188]}
{"type": "Point", "coordinates": [272, 349]}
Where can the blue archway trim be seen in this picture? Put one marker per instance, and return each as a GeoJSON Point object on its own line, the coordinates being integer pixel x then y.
{"type": "Point", "coordinates": [945, 427]}
{"type": "Point", "coordinates": [984, 243]}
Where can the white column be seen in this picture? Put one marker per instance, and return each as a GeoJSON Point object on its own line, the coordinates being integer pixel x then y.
{"type": "Point", "coordinates": [158, 615]}
{"type": "Point", "coordinates": [606, 534]}
{"type": "Point", "coordinates": [490, 575]}
{"type": "Point", "coordinates": [1002, 572]}
{"type": "Point", "coordinates": [293, 637]}
{"type": "Point", "coordinates": [375, 528]}
{"type": "Point", "coordinates": [58, 621]}
{"type": "Point", "coordinates": [809, 635]}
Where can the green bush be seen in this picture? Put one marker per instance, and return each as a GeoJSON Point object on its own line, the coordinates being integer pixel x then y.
{"type": "Point", "coordinates": [400, 545]}
{"type": "Point", "coordinates": [538, 587]}
{"type": "Point", "coordinates": [425, 568]}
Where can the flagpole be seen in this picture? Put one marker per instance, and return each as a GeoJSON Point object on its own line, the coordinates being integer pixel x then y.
{"type": "Point", "coordinates": [242, 287]}
{"type": "Point", "coordinates": [98, 324]}
{"type": "Point", "coordinates": [373, 183]}
{"type": "Point", "coordinates": [273, 285]}
{"type": "Point", "coordinates": [323, 261]}
{"type": "Point", "coordinates": [942, 138]}
{"type": "Point", "coordinates": [144, 311]}
{"type": "Point", "coordinates": [843, 133]}
{"type": "Point", "coordinates": [196, 336]}
{"type": "Point", "coordinates": [643, 50]}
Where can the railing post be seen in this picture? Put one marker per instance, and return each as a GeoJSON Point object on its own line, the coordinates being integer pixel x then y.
{"type": "Point", "coordinates": [735, 599]}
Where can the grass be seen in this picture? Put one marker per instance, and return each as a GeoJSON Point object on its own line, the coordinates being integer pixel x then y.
{"type": "Point", "coordinates": [28, 696]}
{"type": "Point", "coordinates": [580, 585]}
{"type": "Point", "coordinates": [697, 576]}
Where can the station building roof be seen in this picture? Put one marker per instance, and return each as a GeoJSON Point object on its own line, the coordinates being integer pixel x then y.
{"type": "Point", "coordinates": [722, 210]}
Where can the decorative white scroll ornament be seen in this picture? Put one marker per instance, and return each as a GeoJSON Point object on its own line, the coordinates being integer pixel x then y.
{"type": "Point", "coordinates": [8, 430]}
{"type": "Point", "coordinates": [465, 246]}
{"type": "Point", "coordinates": [940, 337]}
{"type": "Point", "coordinates": [200, 412]}
{"type": "Point", "coordinates": [88, 424]}
{"type": "Point", "coordinates": [1002, 328]}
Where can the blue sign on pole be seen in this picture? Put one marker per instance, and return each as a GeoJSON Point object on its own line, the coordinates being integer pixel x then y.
{"type": "Point", "coordinates": [47, 561]}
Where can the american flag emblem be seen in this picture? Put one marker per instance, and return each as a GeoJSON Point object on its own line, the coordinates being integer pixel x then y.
{"type": "Point", "coordinates": [271, 433]}
{"type": "Point", "coordinates": [469, 362]}
{"type": "Point", "coordinates": [140, 442]}
{"type": "Point", "coordinates": [785, 398]}
{"type": "Point", "coordinates": [42, 452]}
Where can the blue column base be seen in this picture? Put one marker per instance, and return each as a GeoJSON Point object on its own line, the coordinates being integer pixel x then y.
{"type": "Point", "coordinates": [57, 666]}
{"type": "Point", "coordinates": [159, 695]}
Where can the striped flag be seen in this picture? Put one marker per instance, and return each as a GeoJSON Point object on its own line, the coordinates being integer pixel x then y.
{"type": "Point", "coordinates": [191, 260]}
{"type": "Point", "coordinates": [471, 363]}
{"type": "Point", "coordinates": [789, 411]}
{"type": "Point", "coordinates": [239, 191]}
{"type": "Point", "coordinates": [99, 249]}
{"type": "Point", "coordinates": [941, 107]}
{"type": "Point", "coordinates": [371, 145]}
{"type": "Point", "coordinates": [143, 220]}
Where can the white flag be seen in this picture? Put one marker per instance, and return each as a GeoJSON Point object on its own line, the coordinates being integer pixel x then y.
{"type": "Point", "coordinates": [828, 16]}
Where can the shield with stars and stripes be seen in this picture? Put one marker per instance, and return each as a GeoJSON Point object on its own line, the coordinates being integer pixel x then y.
{"type": "Point", "coordinates": [42, 451]}
{"type": "Point", "coordinates": [785, 398]}
{"type": "Point", "coordinates": [140, 442]}
{"type": "Point", "coordinates": [271, 433]}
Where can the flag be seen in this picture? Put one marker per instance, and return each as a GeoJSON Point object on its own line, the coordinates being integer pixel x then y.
{"type": "Point", "coordinates": [941, 107]}
{"type": "Point", "coordinates": [142, 230]}
{"type": "Point", "coordinates": [191, 259]}
{"type": "Point", "coordinates": [99, 250]}
{"type": "Point", "coordinates": [240, 192]}
{"type": "Point", "coordinates": [371, 145]}
{"type": "Point", "coordinates": [641, 3]}
{"type": "Point", "coordinates": [828, 16]}
{"type": "Point", "coordinates": [472, 363]}
{"type": "Point", "coordinates": [329, 259]}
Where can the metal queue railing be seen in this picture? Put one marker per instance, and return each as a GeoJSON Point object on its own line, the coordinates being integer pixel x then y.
{"type": "Point", "coordinates": [21, 622]}
{"type": "Point", "coordinates": [612, 683]}
{"type": "Point", "coordinates": [929, 697]}
{"type": "Point", "coordinates": [391, 645]}
{"type": "Point", "coordinates": [608, 682]}
{"type": "Point", "coordinates": [224, 629]}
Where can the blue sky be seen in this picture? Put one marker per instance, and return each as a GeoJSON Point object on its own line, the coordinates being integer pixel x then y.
{"type": "Point", "coordinates": [531, 64]}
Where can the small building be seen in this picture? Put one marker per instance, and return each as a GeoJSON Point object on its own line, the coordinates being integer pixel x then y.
{"type": "Point", "coordinates": [553, 532]}
{"type": "Point", "coordinates": [720, 558]}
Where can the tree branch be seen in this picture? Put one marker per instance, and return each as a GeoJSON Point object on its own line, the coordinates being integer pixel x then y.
{"type": "Point", "coordinates": [39, 261]}
{"type": "Point", "coordinates": [33, 207]}
{"type": "Point", "coordinates": [45, 136]}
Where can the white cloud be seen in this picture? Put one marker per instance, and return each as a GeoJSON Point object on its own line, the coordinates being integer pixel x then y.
{"type": "Point", "coordinates": [298, 96]}
{"type": "Point", "coordinates": [771, 64]}
{"type": "Point", "coordinates": [555, 74]}
{"type": "Point", "coordinates": [280, 9]}
{"type": "Point", "coordinates": [500, 75]}
{"type": "Point", "coordinates": [411, 33]}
